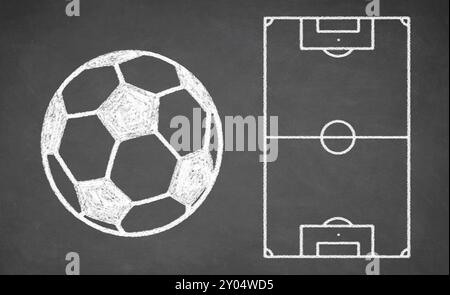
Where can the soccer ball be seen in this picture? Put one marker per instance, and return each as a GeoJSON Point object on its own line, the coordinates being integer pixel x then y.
{"type": "Point", "coordinates": [130, 112]}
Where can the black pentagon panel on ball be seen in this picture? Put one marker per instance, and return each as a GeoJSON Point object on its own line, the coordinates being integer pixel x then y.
{"type": "Point", "coordinates": [152, 215]}
{"type": "Point", "coordinates": [143, 167]}
{"type": "Point", "coordinates": [182, 121]}
{"type": "Point", "coordinates": [89, 89]}
{"type": "Point", "coordinates": [85, 147]}
{"type": "Point", "coordinates": [150, 73]}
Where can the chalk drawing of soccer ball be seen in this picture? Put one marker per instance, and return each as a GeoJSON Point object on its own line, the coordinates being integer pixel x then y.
{"type": "Point", "coordinates": [130, 112]}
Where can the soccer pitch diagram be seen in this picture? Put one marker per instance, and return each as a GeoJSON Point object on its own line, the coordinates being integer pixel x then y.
{"type": "Point", "coordinates": [341, 88]}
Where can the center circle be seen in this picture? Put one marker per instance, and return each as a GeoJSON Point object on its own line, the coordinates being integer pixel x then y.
{"type": "Point", "coordinates": [352, 137]}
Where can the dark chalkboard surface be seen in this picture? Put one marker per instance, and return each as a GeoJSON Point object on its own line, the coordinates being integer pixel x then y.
{"type": "Point", "coordinates": [221, 43]}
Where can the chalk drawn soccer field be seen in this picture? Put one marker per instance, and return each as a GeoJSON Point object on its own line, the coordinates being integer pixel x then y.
{"type": "Point", "coordinates": [341, 185]}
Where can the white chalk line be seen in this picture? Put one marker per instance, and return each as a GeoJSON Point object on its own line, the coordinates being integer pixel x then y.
{"type": "Point", "coordinates": [167, 145]}
{"type": "Point", "coordinates": [82, 114]}
{"type": "Point", "coordinates": [119, 74]}
{"type": "Point", "coordinates": [169, 91]}
{"type": "Point", "coordinates": [276, 256]}
{"type": "Point", "coordinates": [408, 126]}
{"type": "Point", "coordinates": [120, 228]}
{"type": "Point", "coordinates": [150, 200]}
{"type": "Point", "coordinates": [268, 18]}
{"type": "Point", "coordinates": [207, 136]}
{"type": "Point", "coordinates": [335, 137]}
{"type": "Point", "coordinates": [65, 168]}
{"type": "Point", "coordinates": [265, 25]}
{"type": "Point", "coordinates": [112, 157]}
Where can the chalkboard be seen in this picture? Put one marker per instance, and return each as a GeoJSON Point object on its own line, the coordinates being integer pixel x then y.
{"type": "Point", "coordinates": [221, 43]}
